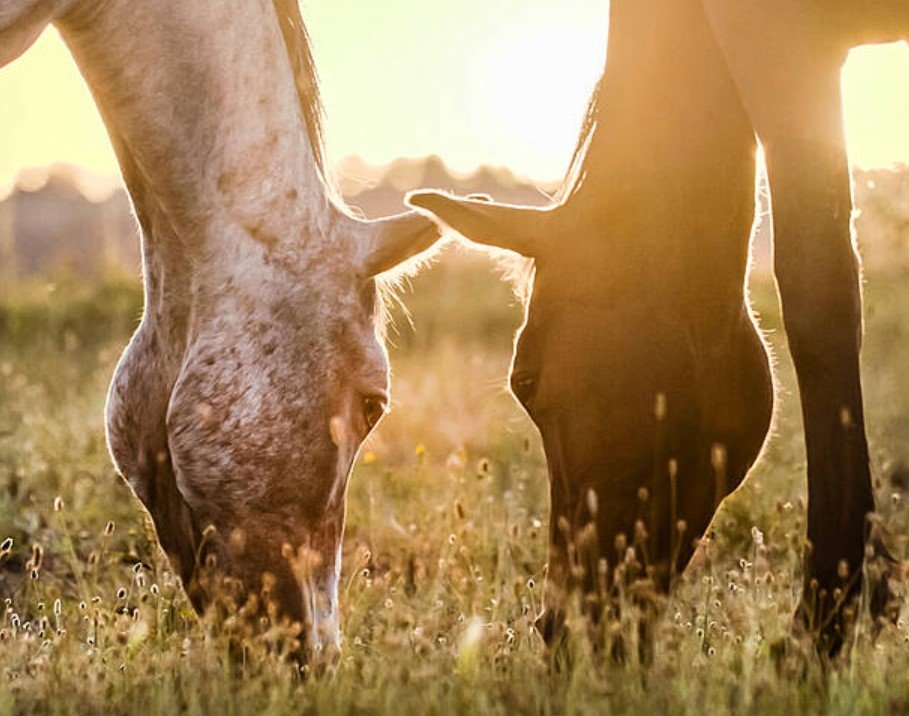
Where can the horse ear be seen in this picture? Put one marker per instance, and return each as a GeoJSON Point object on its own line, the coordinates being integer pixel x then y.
{"type": "Point", "coordinates": [522, 229]}
{"type": "Point", "coordinates": [394, 240]}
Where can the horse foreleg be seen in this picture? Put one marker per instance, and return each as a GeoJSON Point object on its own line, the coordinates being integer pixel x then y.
{"type": "Point", "coordinates": [817, 274]}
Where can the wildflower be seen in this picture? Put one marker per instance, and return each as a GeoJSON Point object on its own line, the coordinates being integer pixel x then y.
{"type": "Point", "coordinates": [420, 451]}
{"type": "Point", "coordinates": [369, 458]}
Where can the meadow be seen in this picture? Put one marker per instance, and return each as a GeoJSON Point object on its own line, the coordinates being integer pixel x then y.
{"type": "Point", "coordinates": [445, 547]}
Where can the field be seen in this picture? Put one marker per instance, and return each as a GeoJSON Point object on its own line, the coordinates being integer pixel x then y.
{"type": "Point", "coordinates": [445, 547]}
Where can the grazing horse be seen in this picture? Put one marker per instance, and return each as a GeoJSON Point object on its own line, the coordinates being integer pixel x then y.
{"type": "Point", "coordinates": [236, 411]}
{"type": "Point", "coordinates": [638, 359]}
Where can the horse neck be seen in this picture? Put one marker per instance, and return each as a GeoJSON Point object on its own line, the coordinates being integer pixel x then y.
{"type": "Point", "coordinates": [654, 134]}
{"type": "Point", "coordinates": [201, 105]}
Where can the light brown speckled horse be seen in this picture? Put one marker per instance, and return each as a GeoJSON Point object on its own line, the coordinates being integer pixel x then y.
{"type": "Point", "coordinates": [256, 372]}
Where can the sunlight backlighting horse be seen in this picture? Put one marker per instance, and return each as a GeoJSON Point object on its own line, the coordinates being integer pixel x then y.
{"type": "Point", "coordinates": [638, 359]}
{"type": "Point", "coordinates": [237, 410]}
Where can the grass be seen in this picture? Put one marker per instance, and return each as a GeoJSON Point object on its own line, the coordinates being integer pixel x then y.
{"type": "Point", "coordinates": [444, 552]}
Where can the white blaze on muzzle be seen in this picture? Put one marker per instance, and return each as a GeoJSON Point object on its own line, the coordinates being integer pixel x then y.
{"type": "Point", "coordinates": [322, 630]}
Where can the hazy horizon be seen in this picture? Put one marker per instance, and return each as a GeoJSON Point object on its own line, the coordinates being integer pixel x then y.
{"type": "Point", "coordinates": [499, 84]}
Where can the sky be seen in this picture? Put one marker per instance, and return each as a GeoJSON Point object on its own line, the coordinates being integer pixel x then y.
{"type": "Point", "coordinates": [500, 82]}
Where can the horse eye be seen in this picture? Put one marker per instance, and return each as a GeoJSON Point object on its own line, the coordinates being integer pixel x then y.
{"type": "Point", "coordinates": [373, 410]}
{"type": "Point", "coordinates": [522, 386]}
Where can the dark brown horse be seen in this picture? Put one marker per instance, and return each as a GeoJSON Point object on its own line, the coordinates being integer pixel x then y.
{"type": "Point", "coordinates": [638, 359]}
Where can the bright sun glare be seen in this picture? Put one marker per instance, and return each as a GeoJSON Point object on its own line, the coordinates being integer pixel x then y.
{"type": "Point", "coordinates": [508, 91]}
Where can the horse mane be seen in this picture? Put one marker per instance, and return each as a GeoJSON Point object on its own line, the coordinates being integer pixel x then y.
{"type": "Point", "coordinates": [306, 79]}
{"type": "Point", "coordinates": [580, 162]}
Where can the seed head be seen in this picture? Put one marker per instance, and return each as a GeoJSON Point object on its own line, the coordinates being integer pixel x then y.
{"type": "Point", "coordinates": [109, 529]}
{"type": "Point", "coordinates": [845, 417]}
{"type": "Point", "coordinates": [718, 457]}
{"type": "Point", "coordinates": [58, 504]}
{"type": "Point", "coordinates": [661, 406]}
{"type": "Point", "coordinates": [592, 502]}
{"type": "Point", "coordinates": [37, 556]}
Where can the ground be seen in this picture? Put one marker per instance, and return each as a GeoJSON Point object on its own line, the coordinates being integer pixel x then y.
{"type": "Point", "coordinates": [445, 548]}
